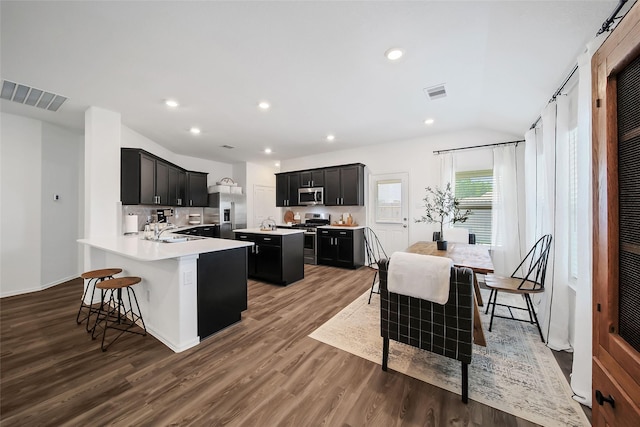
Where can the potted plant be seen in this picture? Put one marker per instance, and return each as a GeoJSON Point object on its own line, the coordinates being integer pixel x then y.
{"type": "Point", "coordinates": [442, 207]}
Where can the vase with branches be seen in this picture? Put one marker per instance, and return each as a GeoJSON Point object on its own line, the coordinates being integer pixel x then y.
{"type": "Point", "coordinates": [442, 207]}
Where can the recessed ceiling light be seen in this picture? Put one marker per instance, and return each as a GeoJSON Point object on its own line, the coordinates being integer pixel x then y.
{"type": "Point", "coordinates": [394, 54]}
{"type": "Point", "coordinates": [194, 130]}
{"type": "Point", "coordinates": [331, 137]}
{"type": "Point", "coordinates": [428, 122]}
{"type": "Point", "coordinates": [277, 164]}
{"type": "Point", "coordinates": [264, 105]}
{"type": "Point", "coordinates": [171, 103]}
{"type": "Point", "coordinates": [267, 150]}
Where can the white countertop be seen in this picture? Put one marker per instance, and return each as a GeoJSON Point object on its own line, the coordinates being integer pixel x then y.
{"type": "Point", "coordinates": [135, 247]}
{"type": "Point", "coordinates": [343, 227]}
{"type": "Point", "coordinates": [276, 232]}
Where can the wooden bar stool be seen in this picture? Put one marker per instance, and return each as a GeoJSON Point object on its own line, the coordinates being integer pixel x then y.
{"type": "Point", "coordinates": [114, 314]}
{"type": "Point", "coordinates": [93, 276]}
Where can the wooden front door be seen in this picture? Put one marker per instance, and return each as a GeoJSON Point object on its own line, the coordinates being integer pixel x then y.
{"type": "Point", "coordinates": [616, 226]}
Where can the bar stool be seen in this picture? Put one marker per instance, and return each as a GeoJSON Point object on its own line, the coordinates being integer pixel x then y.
{"type": "Point", "coordinates": [114, 313]}
{"type": "Point", "coordinates": [94, 276]}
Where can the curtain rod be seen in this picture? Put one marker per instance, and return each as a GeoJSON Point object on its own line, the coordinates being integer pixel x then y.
{"type": "Point", "coordinates": [606, 26]}
{"type": "Point", "coordinates": [478, 146]}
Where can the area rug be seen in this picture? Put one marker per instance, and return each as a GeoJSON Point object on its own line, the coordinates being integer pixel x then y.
{"type": "Point", "coordinates": [516, 373]}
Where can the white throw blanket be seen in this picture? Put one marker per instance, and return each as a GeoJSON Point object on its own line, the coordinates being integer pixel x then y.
{"type": "Point", "coordinates": [420, 276]}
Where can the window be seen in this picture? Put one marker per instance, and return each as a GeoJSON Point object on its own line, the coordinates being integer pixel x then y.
{"type": "Point", "coordinates": [474, 190]}
{"type": "Point", "coordinates": [389, 201]}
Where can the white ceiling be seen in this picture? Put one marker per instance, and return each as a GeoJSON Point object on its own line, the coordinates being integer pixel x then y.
{"type": "Point", "coordinates": [321, 65]}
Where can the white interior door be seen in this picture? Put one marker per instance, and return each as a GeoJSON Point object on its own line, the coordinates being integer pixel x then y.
{"type": "Point", "coordinates": [390, 210]}
{"type": "Point", "coordinates": [264, 204]}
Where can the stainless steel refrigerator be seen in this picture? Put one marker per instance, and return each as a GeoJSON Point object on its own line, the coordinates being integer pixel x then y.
{"type": "Point", "coordinates": [230, 210]}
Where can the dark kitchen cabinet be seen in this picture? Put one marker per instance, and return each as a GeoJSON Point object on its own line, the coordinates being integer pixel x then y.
{"type": "Point", "coordinates": [312, 178]}
{"type": "Point", "coordinates": [341, 248]}
{"type": "Point", "coordinates": [344, 186]}
{"type": "Point", "coordinates": [197, 189]}
{"type": "Point", "coordinates": [287, 185]}
{"type": "Point", "coordinates": [144, 179]}
{"type": "Point", "coordinates": [275, 258]}
{"type": "Point", "coordinates": [177, 187]}
{"type": "Point", "coordinates": [222, 289]}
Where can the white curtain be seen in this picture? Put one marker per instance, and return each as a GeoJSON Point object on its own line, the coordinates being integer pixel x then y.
{"type": "Point", "coordinates": [447, 171]}
{"type": "Point", "coordinates": [581, 373]}
{"type": "Point", "coordinates": [552, 217]}
{"type": "Point", "coordinates": [505, 237]}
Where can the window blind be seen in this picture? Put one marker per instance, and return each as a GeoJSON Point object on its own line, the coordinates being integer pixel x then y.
{"type": "Point", "coordinates": [474, 190]}
{"type": "Point", "coordinates": [573, 205]}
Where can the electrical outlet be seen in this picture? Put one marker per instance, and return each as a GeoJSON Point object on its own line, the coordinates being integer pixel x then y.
{"type": "Point", "coordinates": [56, 197]}
{"type": "Point", "coordinates": [148, 295]}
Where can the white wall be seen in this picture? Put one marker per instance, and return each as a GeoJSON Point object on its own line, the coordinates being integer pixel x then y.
{"type": "Point", "coordinates": [413, 156]}
{"type": "Point", "coordinates": [216, 170]}
{"type": "Point", "coordinates": [37, 236]}
{"type": "Point", "coordinates": [62, 160]}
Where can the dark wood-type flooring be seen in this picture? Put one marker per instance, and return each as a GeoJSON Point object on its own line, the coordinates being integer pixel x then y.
{"type": "Point", "coordinates": [262, 371]}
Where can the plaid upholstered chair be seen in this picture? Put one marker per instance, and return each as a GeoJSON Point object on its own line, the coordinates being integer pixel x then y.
{"type": "Point", "coordinates": [443, 329]}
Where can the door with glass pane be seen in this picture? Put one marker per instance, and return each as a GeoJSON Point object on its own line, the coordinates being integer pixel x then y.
{"type": "Point", "coordinates": [389, 210]}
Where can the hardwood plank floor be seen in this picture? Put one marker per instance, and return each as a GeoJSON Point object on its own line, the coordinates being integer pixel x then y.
{"type": "Point", "coordinates": [262, 371]}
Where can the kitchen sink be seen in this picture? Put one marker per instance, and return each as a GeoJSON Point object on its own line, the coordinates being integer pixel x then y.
{"type": "Point", "coordinates": [177, 239]}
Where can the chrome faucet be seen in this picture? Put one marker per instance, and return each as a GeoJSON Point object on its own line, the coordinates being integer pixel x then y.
{"type": "Point", "coordinates": [157, 231]}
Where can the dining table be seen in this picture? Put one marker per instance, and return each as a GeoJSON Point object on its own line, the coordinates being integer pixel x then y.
{"type": "Point", "coordinates": [474, 257]}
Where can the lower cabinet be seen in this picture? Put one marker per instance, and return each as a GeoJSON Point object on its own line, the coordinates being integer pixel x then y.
{"type": "Point", "coordinates": [275, 258]}
{"type": "Point", "coordinates": [341, 248]}
{"type": "Point", "coordinates": [222, 289]}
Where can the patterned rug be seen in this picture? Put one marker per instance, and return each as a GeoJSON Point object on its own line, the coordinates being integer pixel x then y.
{"type": "Point", "coordinates": [516, 373]}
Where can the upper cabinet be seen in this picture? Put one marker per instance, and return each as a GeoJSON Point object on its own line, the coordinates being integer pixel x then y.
{"type": "Point", "coordinates": [287, 185]}
{"type": "Point", "coordinates": [312, 178]}
{"type": "Point", "coordinates": [197, 189]}
{"type": "Point", "coordinates": [177, 187]}
{"type": "Point", "coordinates": [343, 185]}
{"type": "Point", "coordinates": [149, 180]}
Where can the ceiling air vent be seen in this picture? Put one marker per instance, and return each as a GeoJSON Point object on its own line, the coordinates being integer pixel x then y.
{"type": "Point", "coordinates": [435, 92]}
{"type": "Point", "coordinates": [229, 147]}
{"type": "Point", "coordinates": [31, 96]}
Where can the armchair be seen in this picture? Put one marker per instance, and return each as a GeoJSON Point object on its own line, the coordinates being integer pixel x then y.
{"type": "Point", "coordinates": [442, 329]}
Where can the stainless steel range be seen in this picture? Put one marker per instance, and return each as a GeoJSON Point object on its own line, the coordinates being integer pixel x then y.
{"type": "Point", "coordinates": [311, 222]}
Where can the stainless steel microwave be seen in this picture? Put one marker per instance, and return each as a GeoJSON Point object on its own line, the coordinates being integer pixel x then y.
{"type": "Point", "coordinates": [311, 196]}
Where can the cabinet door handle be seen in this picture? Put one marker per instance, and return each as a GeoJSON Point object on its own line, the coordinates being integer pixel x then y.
{"type": "Point", "coordinates": [179, 202]}
{"type": "Point", "coordinates": [190, 202]}
{"type": "Point", "coordinates": [257, 249]}
{"type": "Point", "coordinates": [601, 399]}
{"type": "Point", "coordinates": [337, 200]}
{"type": "Point", "coordinates": [267, 238]}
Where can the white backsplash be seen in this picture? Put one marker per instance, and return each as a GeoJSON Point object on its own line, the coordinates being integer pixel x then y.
{"type": "Point", "coordinates": [180, 215]}
{"type": "Point", "coordinates": [358, 213]}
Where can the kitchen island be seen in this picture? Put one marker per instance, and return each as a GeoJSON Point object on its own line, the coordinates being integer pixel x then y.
{"type": "Point", "coordinates": [189, 290]}
{"type": "Point", "coordinates": [278, 255]}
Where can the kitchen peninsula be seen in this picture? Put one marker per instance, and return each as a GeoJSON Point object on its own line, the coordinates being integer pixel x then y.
{"type": "Point", "coordinates": [189, 290]}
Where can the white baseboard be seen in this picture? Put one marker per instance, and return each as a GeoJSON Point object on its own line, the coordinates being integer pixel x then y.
{"type": "Point", "coordinates": [36, 289]}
